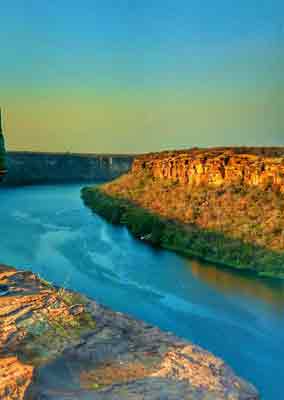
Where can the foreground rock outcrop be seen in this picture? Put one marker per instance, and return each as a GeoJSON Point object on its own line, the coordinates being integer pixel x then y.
{"type": "Point", "coordinates": [57, 345]}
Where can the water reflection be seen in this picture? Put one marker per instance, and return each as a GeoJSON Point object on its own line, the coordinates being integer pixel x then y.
{"type": "Point", "coordinates": [269, 291]}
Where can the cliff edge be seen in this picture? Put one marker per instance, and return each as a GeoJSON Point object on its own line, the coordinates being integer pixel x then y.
{"type": "Point", "coordinates": [246, 166]}
{"type": "Point", "coordinates": [223, 205]}
{"type": "Point", "coordinates": [56, 344]}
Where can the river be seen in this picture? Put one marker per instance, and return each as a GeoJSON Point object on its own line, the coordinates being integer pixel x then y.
{"type": "Point", "coordinates": [238, 317]}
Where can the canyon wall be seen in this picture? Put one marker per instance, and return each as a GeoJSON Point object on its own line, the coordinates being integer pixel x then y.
{"type": "Point", "coordinates": [31, 168]}
{"type": "Point", "coordinates": [262, 167]}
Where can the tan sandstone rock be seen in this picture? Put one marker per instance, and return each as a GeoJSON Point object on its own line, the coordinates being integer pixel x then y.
{"type": "Point", "coordinates": [263, 167]}
{"type": "Point", "coordinates": [57, 345]}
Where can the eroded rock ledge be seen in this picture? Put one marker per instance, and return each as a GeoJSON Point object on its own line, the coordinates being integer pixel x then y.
{"type": "Point", "coordinates": [56, 344]}
{"type": "Point", "coordinates": [262, 167]}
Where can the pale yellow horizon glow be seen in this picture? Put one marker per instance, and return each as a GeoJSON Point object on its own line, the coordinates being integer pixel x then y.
{"type": "Point", "coordinates": [87, 123]}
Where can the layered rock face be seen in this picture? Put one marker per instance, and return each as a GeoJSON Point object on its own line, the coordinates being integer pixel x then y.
{"type": "Point", "coordinates": [262, 167]}
{"type": "Point", "coordinates": [55, 344]}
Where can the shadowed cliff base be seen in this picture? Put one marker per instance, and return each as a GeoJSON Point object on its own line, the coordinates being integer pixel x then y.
{"type": "Point", "coordinates": [188, 240]}
{"type": "Point", "coordinates": [232, 216]}
{"type": "Point", "coordinates": [30, 168]}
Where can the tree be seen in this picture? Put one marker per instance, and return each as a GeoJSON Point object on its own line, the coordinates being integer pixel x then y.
{"type": "Point", "coordinates": [2, 149]}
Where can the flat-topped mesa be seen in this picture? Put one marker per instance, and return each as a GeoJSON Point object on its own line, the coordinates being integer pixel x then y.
{"type": "Point", "coordinates": [262, 167]}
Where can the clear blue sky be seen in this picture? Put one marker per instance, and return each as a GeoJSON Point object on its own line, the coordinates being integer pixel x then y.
{"type": "Point", "coordinates": [141, 75]}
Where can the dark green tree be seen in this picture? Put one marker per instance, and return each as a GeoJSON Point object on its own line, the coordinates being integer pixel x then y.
{"type": "Point", "coordinates": [2, 148]}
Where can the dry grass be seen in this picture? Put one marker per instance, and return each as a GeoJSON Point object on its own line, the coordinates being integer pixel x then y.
{"type": "Point", "coordinates": [250, 214]}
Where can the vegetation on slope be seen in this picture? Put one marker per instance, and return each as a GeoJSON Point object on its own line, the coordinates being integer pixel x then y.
{"type": "Point", "coordinates": [246, 213]}
{"type": "Point", "coordinates": [236, 226]}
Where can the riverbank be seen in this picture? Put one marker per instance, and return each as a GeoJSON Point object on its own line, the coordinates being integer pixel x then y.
{"type": "Point", "coordinates": [236, 225]}
{"type": "Point", "coordinates": [189, 241]}
{"type": "Point", "coordinates": [54, 342]}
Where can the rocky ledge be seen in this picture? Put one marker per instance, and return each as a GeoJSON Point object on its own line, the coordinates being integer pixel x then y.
{"type": "Point", "coordinates": [57, 345]}
{"type": "Point", "coordinates": [252, 166]}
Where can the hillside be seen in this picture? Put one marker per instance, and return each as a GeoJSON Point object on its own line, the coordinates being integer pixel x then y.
{"type": "Point", "coordinates": [223, 205]}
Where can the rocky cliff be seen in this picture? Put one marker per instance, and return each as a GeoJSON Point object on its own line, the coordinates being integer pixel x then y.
{"type": "Point", "coordinates": [224, 205]}
{"type": "Point", "coordinates": [262, 167]}
{"type": "Point", "coordinates": [56, 344]}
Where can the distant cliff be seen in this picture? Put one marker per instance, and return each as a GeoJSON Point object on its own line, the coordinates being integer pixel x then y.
{"type": "Point", "coordinates": [32, 168]}
{"type": "Point", "coordinates": [224, 205]}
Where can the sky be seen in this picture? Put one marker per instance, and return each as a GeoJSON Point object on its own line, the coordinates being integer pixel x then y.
{"type": "Point", "coordinates": [123, 76]}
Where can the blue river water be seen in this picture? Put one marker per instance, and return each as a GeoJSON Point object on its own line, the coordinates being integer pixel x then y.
{"type": "Point", "coordinates": [238, 317]}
